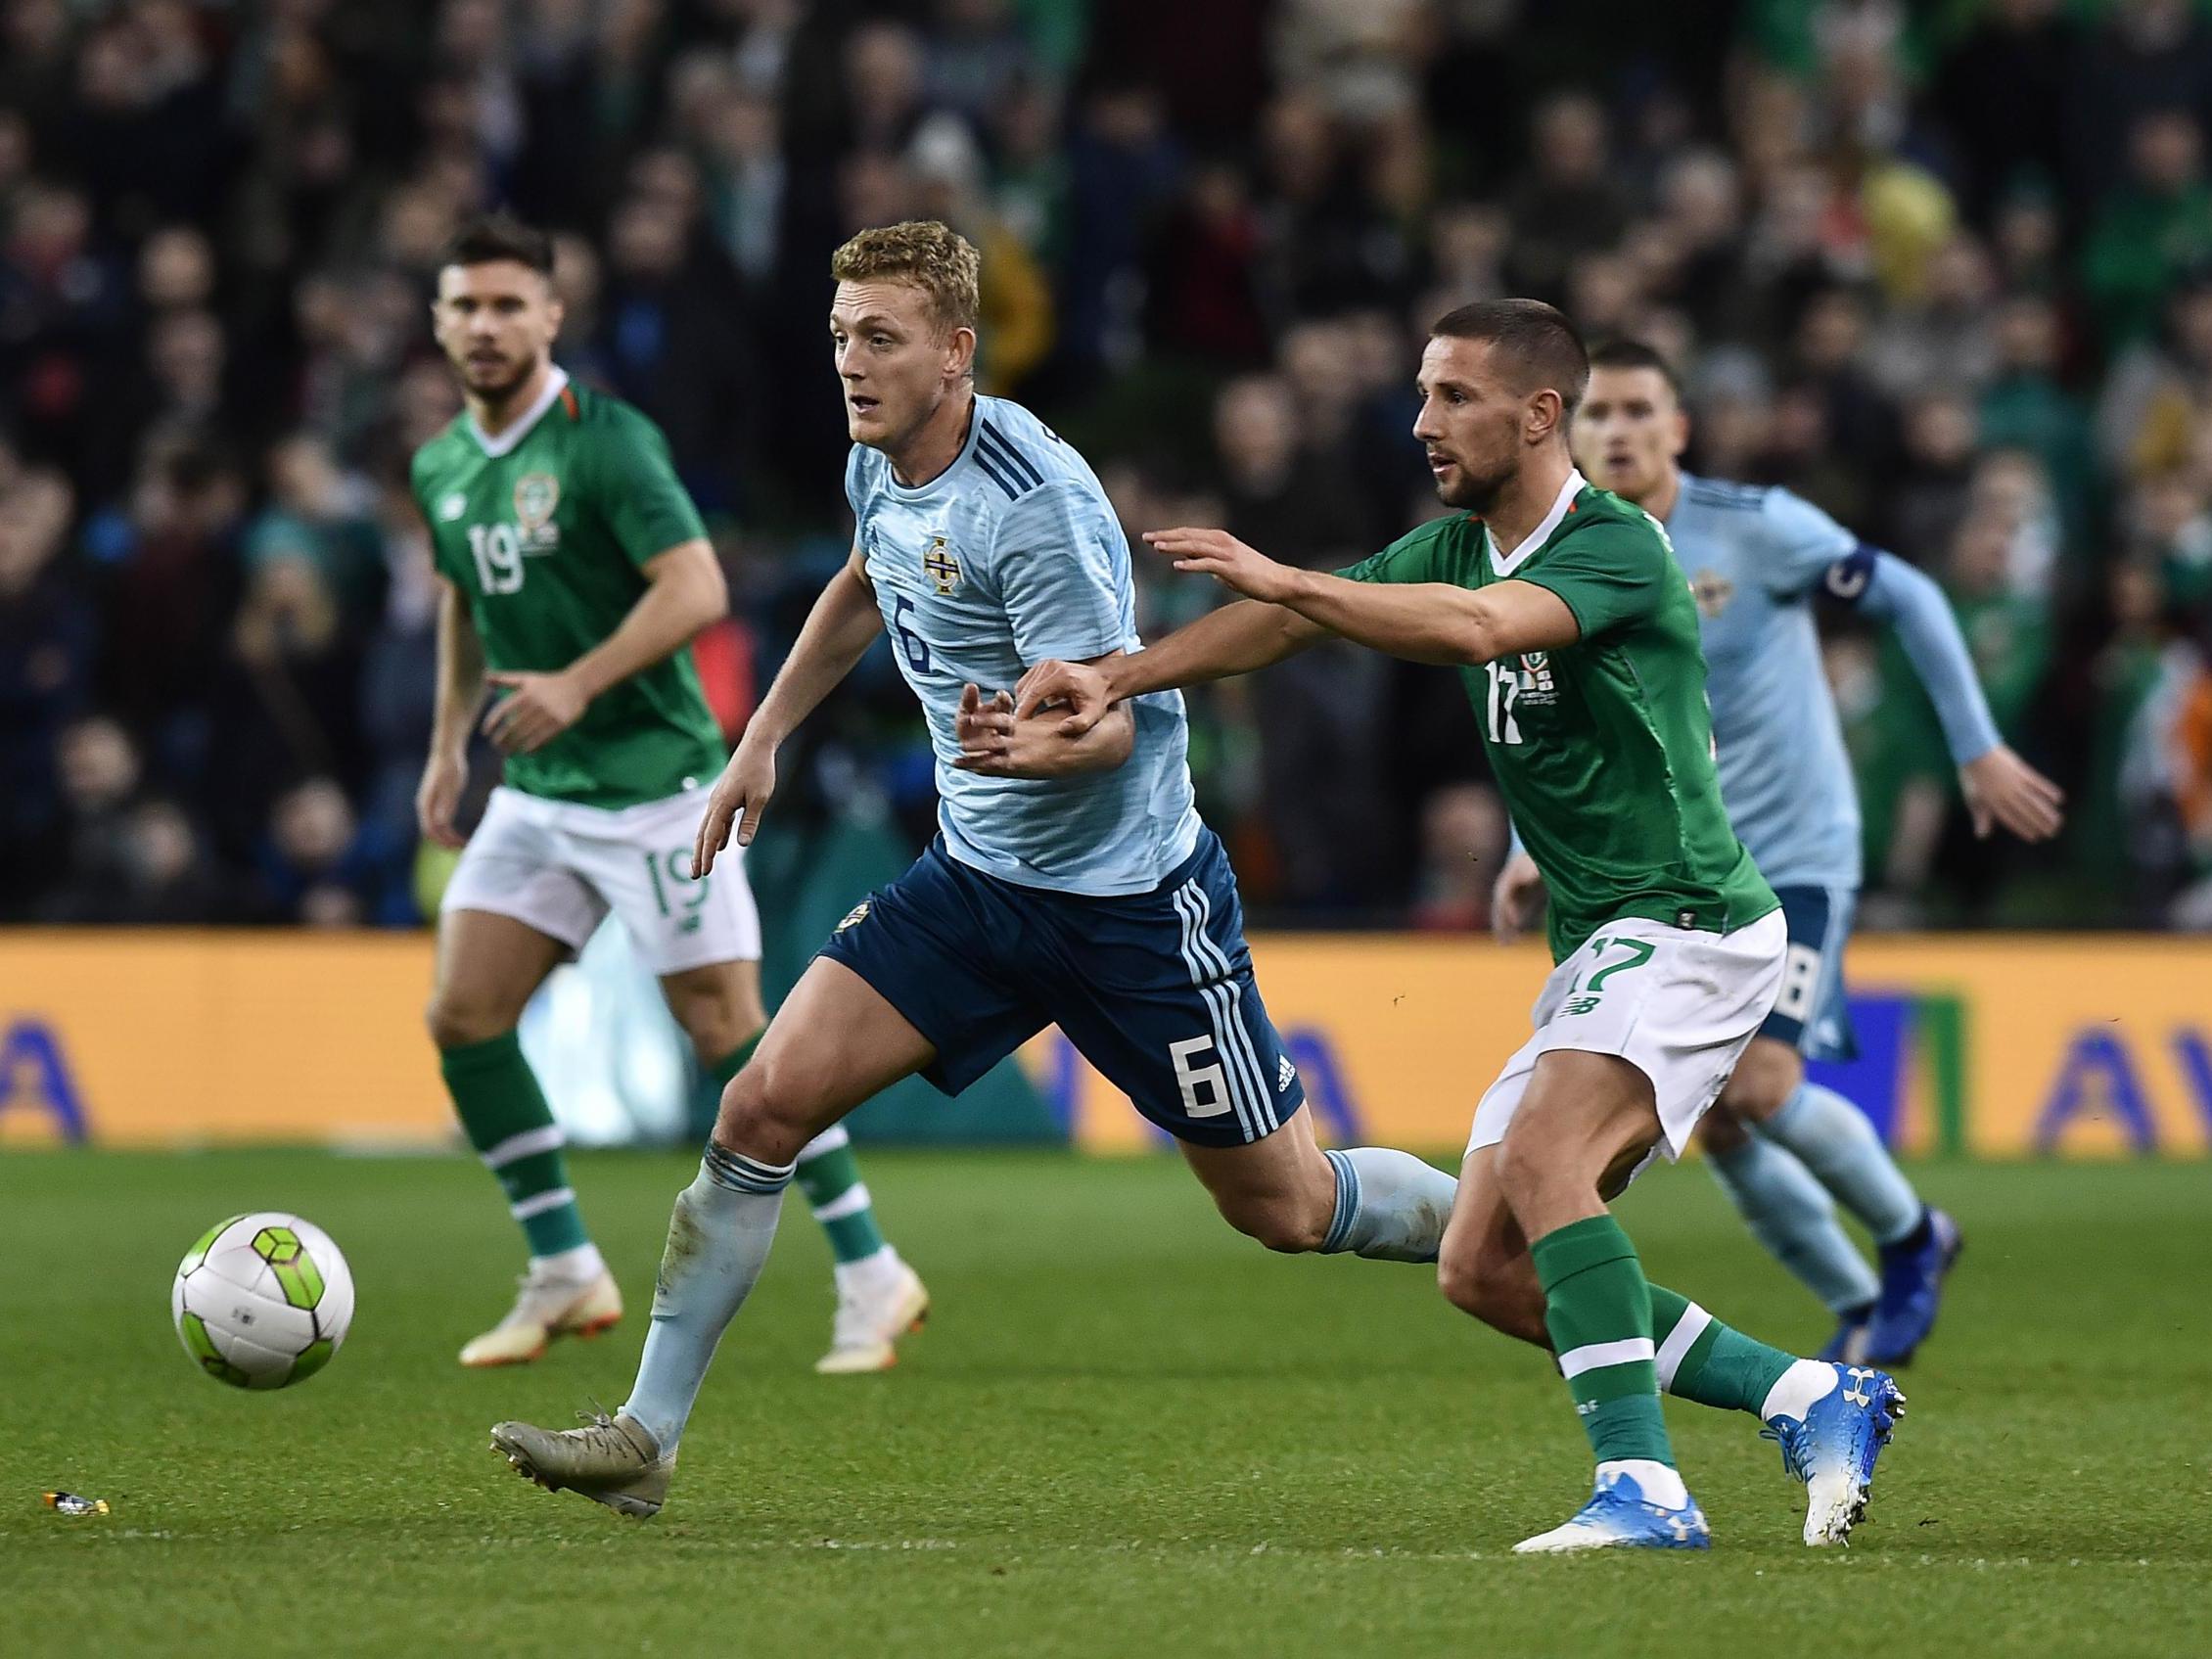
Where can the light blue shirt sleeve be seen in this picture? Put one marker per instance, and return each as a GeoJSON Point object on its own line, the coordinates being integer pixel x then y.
{"type": "Point", "coordinates": [1805, 544]}
{"type": "Point", "coordinates": [1062, 569]}
{"type": "Point", "coordinates": [1911, 603]}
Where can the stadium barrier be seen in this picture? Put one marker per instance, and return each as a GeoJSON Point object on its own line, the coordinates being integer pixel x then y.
{"type": "Point", "coordinates": [1988, 1046]}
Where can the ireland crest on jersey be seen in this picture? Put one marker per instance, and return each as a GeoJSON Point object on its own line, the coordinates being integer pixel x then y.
{"type": "Point", "coordinates": [537, 496]}
{"type": "Point", "coordinates": [940, 567]}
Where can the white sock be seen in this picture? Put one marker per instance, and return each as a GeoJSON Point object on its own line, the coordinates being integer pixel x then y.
{"type": "Point", "coordinates": [1796, 1389]}
{"type": "Point", "coordinates": [1658, 1483]}
{"type": "Point", "coordinates": [1390, 1206]}
{"type": "Point", "coordinates": [1834, 1139]}
{"type": "Point", "coordinates": [719, 1239]}
{"type": "Point", "coordinates": [1792, 1214]}
{"type": "Point", "coordinates": [580, 1266]}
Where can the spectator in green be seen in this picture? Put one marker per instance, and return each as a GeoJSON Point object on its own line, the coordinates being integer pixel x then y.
{"type": "Point", "coordinates": [2152, 231]}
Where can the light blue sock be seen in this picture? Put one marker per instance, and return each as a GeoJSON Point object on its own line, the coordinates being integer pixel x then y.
{"type": "Point", "coordinates": [719, 1239]}
{"type": "Point", "coordinates": [1792, 1215]}
{"type": "Point", "coordinates": [1834, 1140]}
{"type": "Point", "coordinates": [1390, 1205]}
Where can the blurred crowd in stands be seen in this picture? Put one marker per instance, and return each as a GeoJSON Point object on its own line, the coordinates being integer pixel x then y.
{"type": "Point", "coordinates": [1945, 268]}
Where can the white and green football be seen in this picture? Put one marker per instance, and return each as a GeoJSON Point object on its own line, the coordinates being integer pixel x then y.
{"type": "Point", "coordinates": [262, 1301]}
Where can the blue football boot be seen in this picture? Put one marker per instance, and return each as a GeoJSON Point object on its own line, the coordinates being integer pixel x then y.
{"type": "Point", "coordinates": [1911, 1291]}
{"type": "Point", "coordinates": [1848, 1347]}
{"type": "Point", "coordinates": [1618, 1516]}
{"type": "Point", "coordinates": [1833, 1448]}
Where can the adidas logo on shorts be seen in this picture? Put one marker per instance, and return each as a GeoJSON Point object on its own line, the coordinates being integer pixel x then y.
{"type": "Point", "coordinates": [1285, 1073]}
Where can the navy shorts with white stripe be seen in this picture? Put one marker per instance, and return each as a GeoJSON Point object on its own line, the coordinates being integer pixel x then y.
{"type": "Point", "coordinates": [1154, 988]}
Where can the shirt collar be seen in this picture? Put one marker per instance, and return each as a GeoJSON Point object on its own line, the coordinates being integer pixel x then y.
{"type": "Point", "coordinates": [556, 383]}
{"type": "Point", "coordinates": [1505, 564]}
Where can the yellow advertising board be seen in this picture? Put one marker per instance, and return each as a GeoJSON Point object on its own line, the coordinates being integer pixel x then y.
{"type": "Point", "coordinates": [1996, 1045]}
{"type": "Point", "coordinates": [184, 1037]}
{"type": "Point", "coordinates": [1999, 1045]}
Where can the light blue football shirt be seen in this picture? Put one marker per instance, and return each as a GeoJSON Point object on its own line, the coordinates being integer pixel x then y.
{"type": "Point", "coordinates": [1754, 558]}
{"type": "Point", "coordinates": [1009, 556]}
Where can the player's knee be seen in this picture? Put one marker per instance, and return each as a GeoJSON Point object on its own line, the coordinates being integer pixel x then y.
{"type": "Point", "coordinates": [1496, 1287]}
{"type": "Point", "coordinates": [1763, 1081]}
{"type": "Point", "coordinates": [767, 1112]}
{"type": "Point", "coordinates": [1721, 1131]}
{"type": "Point", "coordinates": [455, 1020]}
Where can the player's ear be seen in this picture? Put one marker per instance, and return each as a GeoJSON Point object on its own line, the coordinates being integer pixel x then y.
{"type": "Point", "coordinates": [1682, 431]}
{"type": "Point", "coordinates": [960, 354]}
{"type": "Point", "coordinates": [1544, 415]}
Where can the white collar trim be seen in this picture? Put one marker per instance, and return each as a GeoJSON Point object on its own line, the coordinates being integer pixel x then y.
{"type": "Point", "coordinates": [556, 383]}
{"type": "Point", "coordinates": [1505, 564]}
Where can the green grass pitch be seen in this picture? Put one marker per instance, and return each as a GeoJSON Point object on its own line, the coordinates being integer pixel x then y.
{"type": "Point", "coordinates": [1127, 1431]}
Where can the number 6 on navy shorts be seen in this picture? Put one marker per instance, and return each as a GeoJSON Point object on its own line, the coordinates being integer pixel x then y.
{"type": "Point", "coordinates": [1155, 988]}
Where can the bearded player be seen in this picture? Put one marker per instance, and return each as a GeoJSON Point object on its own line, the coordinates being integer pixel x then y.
{"type": "Point", "coordinates": [1072, 881]}
{"type": "Point", "coordinates": [1779, 1145]}
{"type": "Point", "coordinates": [574, 573]}
{"type": "Point", "coordinates": [1577, 636]}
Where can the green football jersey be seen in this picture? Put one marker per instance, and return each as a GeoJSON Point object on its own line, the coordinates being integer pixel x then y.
{"type": "Point", "coordinates": [544, 528]}
{"type": "Point", "coordinates": [1604, 749]}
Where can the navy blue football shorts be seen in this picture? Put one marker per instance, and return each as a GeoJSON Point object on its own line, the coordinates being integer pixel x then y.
{"type": "Point", "coordinates": [1154, 988]}
{"type": "Point", "coordinates": [1813, 1014]}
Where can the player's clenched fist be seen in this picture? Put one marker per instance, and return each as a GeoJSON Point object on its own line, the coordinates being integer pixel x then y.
{"type": "Point", "coordinates": [739, 797]}
{"type": "Point", "coordinates": [1217, 554]}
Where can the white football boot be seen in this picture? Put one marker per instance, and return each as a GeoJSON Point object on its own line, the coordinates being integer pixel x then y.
{"type": "Point", "coordinates": [878, 1302]}
{"type": "Point", "coordinates": [548, 1305]}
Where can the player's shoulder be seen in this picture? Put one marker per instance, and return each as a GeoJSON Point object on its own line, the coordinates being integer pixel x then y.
{"type": "Point", "coordinates": [595, 413]}
{"type": "Point", "coordinates": [1772, 513]}
{"type": "Point", "coordinates": [1722, 495]}
{"type": "Point", "coordinates": [447, 447]}
{"type": "Point", "coordinates": [1019, 456]}
{"type": "Point", "coordinates": [1597, 518]}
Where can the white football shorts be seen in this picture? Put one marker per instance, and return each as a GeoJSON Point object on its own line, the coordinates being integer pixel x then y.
{"type": "Point", "coordinates": [560, 867]}
{"type": "Point", "coordinates": [1679, 1004]}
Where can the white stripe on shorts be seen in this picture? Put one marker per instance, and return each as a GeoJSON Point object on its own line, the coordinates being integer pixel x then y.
{"type": "Point", "coordinates": [546, 1138]}
{"type": "Point", "coordinates": [1676, 1349]}
{"type": "Point", "coordinates": [1254, 1074]}
{"type": "Point", "coordinates": [1594, 1355]}
{"type": "Point", "coordinates": [537, 1203]}
{"type": "Point", "coordinates": [1196, 963]}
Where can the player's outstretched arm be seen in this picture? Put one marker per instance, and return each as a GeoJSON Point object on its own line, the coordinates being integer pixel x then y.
{"type": "Point", "coordinates": [839, 630]}
{"type": "Point", "coordinates": [1999, 787]}
{"type": "Point", "coordinates": [1234, 640]}
{"type": "Point", "coordinates": [1424, 621]}
{"type": "Point", "coordinates": [460, 688]}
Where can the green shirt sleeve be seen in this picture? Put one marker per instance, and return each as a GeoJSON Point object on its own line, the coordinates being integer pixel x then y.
{"type": "Point", "coordinates": [1413, 557]}
{"type": "Point", "coordinates": [637, 491]}
{"type": "Point", "coordinates": [1609, 574]}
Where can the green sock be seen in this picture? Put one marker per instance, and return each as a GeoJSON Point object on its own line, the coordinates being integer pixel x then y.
{"type": "Point", "coordinates": [830, 1178]}
{"type": "Point", "coordinates": [1702, 1359]}
{"type": "Point", "coordinates": [1598, 1310]}
{"type": "Point", "coordinates": [507, 1121]}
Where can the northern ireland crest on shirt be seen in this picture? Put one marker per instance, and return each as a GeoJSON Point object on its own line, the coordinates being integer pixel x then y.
{"type": "Point", "coordinates": [536, 497]}
{"type": "Point", "coordinates": [1712, 591]}
{"type": "Point", "coordinates": [941, 566]}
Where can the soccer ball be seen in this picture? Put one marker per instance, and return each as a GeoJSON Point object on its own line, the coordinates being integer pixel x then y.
{"type": "Point", "coordinates": [262, 1301]}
